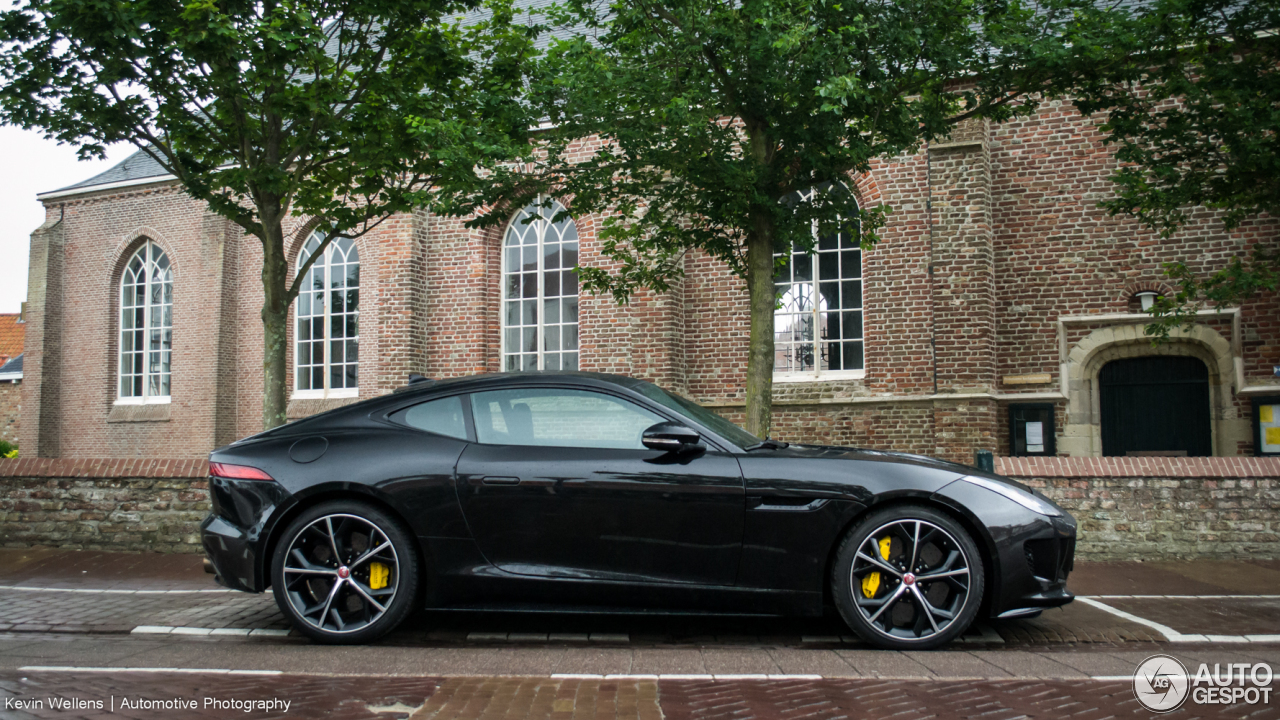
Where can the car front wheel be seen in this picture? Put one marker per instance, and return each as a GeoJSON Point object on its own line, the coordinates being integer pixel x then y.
{"type": "Point", "coordinates": [908, 578]}
{"type": "Point", "coordinates": [345, 572]}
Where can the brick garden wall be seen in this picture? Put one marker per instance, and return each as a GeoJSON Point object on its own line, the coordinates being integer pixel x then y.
{"type": "Point", "coordinates": [1128, 508]}
{"type": "Point", "coordinates": [1162, 508]}
{"type": "Point", "coordinates": [127, 505]}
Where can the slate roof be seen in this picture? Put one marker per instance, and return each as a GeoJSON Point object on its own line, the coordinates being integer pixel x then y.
{"type": "Point", "coordinates": [12, 334]}
{"type": "Point", "coordinates": [11, 367]}
{"type": "Point", "coordinates": [135, 167]}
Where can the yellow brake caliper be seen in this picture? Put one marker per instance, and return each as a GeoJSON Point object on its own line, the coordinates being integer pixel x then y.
{"type": "Point", "coordinates": [871, 583]}
{"type": "Point", "coordinates": [378, 575]}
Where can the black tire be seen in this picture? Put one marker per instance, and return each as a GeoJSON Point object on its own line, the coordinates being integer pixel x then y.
{"type": "Point", "coordinates": [309, 584]}
{"type": "Point", "coordinates": [888, 609]}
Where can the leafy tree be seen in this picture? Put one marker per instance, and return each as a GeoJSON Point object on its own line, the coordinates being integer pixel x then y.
{"type": "Point", "coordinates": [1194, 115]}
{"type": "Point", "coordinates": [346, 110]}
{"type": "Point", "coordinates": [712, 113]}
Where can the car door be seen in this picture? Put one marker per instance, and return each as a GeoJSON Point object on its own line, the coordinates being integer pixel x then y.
{"type": "Point", "coordinates": [559, 485]}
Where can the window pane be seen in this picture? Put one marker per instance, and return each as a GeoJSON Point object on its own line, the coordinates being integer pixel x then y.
{"type": "Point", "coordinates": [552, 361]}
{"type": "Point", "coordinates": [569, 361]}
{"type": "Point", "coordinates": [560, 418]}
{"type": "Point", "coordinates": [551, 284]}
{"type": "Point", "coordinates": [851, 263]}
{"type": "Point", "coordinates": [443, 417]}
{"type": "Point", "coordinates": [852, 322]}
{"type": "Point", "coordinates": [551, 311]}
{"type": "Point", "coordinates": [853, 356]}
{"type": "Point", "coordinates": [828, 266]}
{"type": "Point", "coordinates": [551, 338]}
{"type": "Point", "coordinates": [851, 294]}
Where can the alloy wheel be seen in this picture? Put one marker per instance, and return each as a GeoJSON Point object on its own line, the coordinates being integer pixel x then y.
{"type": "Point", "coordinates": [341, 573]}
{"type": "Point", "coordinates": [910, 579]}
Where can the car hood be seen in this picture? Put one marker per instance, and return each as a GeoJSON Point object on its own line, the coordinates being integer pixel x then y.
{"type": "Point", "coordinates": [889, 456]}
{"type": "Point", "coordinates": [850, 453]}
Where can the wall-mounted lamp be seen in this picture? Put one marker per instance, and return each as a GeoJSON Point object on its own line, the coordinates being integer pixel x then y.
{"type": "Point", "coordinates": [1147, 298]}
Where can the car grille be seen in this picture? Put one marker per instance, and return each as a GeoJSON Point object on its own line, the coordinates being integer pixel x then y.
{"type": "Point", "coordinates": [1051, 559]}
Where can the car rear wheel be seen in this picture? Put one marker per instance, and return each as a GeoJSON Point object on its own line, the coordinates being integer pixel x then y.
{"type": "Point", "coordinates": [908, 577]}
{"type": "Point", "coordinates": [345, 572]}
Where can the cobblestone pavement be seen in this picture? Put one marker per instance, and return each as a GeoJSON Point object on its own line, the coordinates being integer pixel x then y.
{"type": "Point", "coordinates": [580, 699]}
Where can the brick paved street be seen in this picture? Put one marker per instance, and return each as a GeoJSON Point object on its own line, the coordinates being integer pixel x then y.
{"type": "Point", "coordinates": [139, 619]}
{"type": "Point", "coordinates": [356, 697]}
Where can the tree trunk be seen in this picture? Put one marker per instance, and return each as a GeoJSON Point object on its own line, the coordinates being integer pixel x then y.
{"type": "Point", "coordinates": [762, 300]}
{"type": "Point", "coordinates": [275, 331]}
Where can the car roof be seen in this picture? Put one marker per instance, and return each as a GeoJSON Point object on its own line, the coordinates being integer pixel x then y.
{"type": "Point", "coordinates": [487, 380]}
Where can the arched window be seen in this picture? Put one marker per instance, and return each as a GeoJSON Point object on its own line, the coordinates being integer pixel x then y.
{"type": "Point", "coordinates": [818, 324]}
{"type": "Point", "coordinates": [146, 326]}
{"type": "Point", "coordinates": [540, 291]}
{"type": "Point", "coordinates": [327, 341]}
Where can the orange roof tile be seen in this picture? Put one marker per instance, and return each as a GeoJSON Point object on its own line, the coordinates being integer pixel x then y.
{"type": "Point", "coordinates": [11, 334]}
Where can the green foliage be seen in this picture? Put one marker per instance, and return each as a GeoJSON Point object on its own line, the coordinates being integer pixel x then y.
{"type": "Point", "coordinates": [712, 113]}
{"type": "Point", "coordinates": [346, 110]}
{"type": "Point", "coordinates": [1194, 114]}
{"type": "Point", "coordinates": [8, 450]}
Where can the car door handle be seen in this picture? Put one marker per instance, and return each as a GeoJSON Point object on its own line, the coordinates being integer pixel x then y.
{"type": "Point", "coordinates": [501, 481]}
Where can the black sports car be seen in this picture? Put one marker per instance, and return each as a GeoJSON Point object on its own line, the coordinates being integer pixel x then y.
{"type": "Point", "coordinates": [557, 491]}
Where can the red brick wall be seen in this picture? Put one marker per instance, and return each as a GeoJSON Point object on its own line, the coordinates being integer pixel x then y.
{"type": "Point", "coordinates": [10, 410]}
{"type": "Point", "coordinates": [993, 236]}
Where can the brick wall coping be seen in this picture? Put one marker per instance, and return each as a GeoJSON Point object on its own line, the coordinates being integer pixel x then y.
{"type": "Point", "coordinates": [1154, 467]}
{"type": "Point", "coordinates": [1207, 467]}
{"type": "Point", "coordinates": [103, 468]}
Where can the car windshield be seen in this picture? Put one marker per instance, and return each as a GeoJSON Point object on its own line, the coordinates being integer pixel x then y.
{"type": "Point", "coordinates": [722, 427]}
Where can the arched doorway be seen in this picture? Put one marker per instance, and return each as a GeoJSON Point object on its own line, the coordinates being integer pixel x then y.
{"type": "Point", "coordinates": [1155, 405]}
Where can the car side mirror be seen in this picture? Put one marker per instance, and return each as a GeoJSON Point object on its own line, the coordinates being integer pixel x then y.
{"type": "Point", "coordinates": [671, 437]}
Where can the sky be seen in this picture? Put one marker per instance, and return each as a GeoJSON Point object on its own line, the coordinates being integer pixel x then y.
{"type": "Point", "coordinates": [30, 164]}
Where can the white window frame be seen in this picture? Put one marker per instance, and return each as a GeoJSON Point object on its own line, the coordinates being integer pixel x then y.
{"type": "Point", "coordinates": [541, 227]}
{"type": "Point", "coordinates": [146, 398]}
{"type": "Point", "coordinates": [325, 393]}
{"type": "Point", "coordinates": [817, 374]}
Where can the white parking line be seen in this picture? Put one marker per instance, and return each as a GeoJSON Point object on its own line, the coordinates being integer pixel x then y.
{"type": "Point", "coordinates": [1179, 597]}
{"type": "Point", "coordinates": [171, 630]}
{"type": "Point", "coordinates": [184, 671]}
{"type": "Point", "coordinates": [1173, 635]}
{"type": "Point", "coordinates": [1169, 633]}
{"type": "Point", "coordinates": [589, 676]}
{"type": "Point", "coordinates": [112, 591]}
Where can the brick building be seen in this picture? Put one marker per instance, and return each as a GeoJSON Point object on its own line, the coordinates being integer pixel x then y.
{"type": "Point", "coordinates": [1001, 311]}
{"type": "Point", "coordinates": [12, 336]}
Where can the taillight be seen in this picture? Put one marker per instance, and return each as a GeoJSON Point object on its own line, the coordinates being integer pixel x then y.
{"type": "Point", "coordinates": [237, 472]}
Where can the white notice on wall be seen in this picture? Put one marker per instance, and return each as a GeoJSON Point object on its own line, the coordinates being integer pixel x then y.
{"type": "Point", "coordinates": [1035, 437]}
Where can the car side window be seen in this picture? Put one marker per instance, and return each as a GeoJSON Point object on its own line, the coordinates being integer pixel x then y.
{"type": "Point", "coordinates": [555, 417]}
{"type": "Point", "coordinates": [443, 417]}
